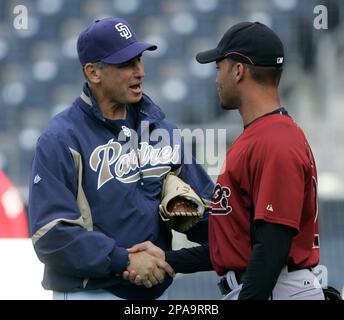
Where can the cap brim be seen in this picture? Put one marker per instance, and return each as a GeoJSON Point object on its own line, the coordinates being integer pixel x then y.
{"type": "Point", "coordinates": [129, 52]}
{"type": "Point", "coordinates": [208, 56]}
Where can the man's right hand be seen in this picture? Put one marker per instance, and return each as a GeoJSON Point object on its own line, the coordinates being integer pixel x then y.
{"type": "Point", "coordinates": [150, 248]}
{"type": "Point", "coordinates": [146, 269]}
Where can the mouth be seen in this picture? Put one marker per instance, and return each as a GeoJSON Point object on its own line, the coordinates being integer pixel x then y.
{"type": "Point", "coordinates": [136, 88]}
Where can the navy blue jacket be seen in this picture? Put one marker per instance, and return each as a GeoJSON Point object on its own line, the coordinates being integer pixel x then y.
{"type": "Point", "coordinates": [92, 196]}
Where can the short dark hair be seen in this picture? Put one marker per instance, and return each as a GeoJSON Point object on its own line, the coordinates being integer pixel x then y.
{"type": "Point", "coordinates": [97, 65]}
{"type": "Point", "coordinates": [266, 75]}
{"type": "Point", "coordinates": [262, 74]}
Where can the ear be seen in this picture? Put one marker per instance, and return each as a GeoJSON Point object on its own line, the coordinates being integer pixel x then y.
{"type": "Point", "coordinates": [238, 71]}
{"type": "Point", "coordinates": [93, 74]}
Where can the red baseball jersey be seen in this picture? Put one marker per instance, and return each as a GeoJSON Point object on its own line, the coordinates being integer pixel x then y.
{"type": "Point", "coordinates": [269, 168]}
{"type": "Point", "coordinates": [13, 220]}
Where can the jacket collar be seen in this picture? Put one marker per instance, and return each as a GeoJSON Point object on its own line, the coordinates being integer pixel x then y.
{"type": "Point", "coordinates": [149, 111]}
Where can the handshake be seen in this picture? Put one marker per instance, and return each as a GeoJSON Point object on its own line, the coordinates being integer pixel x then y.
{"type": "Point", "coordinates": [147, 265]}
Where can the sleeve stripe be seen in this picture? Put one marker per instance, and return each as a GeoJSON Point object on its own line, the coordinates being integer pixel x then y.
{"type": "Point", "coordinates": [83, 204]}
{"type": "Point", "coordinates": [46, 228]}
{"type": "Point", "coordinates": [85, 220]}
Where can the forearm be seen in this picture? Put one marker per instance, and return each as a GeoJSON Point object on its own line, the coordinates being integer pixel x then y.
{"type": "Point", "coordinates": [189, 260]}
{"type": "Point", "coordinates": [76, 252]}
{"type": "Point", "coordinates": [269, 255]}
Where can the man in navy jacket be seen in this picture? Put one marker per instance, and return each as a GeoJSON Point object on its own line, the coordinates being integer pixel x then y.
{"type": "Point", "coordinates": [97, 177]}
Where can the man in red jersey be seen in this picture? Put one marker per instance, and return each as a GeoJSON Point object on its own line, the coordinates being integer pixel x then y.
{"type": "Point", "coordinates": [263, 230]}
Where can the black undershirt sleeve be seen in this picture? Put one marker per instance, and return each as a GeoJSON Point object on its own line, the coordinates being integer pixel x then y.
{"type": "Point", "coordinates": [189, 260]}
{"type": "Point", "coordinates": [270, 252]}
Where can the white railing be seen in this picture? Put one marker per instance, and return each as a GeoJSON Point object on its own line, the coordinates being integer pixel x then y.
{"type": "Point", "coordinates": [21, 272]}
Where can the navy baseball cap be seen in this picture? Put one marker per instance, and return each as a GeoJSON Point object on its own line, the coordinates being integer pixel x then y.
{"type": "Point", "coordinates": [247, 42]}
{"type": "Point", "coordinates": [110, 40]}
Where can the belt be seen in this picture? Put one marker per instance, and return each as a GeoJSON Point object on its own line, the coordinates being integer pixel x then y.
{"type": "Point", "coordinates": [225, 288]}
{"type": "Point", "coordinates": [223, 283]}
{"type": "Point", "coordinates": [293, 267]}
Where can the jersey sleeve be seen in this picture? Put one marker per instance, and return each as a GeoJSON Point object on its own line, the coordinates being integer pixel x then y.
{"type": "Point", "coordinates": [60, 238]}
{"type": "Point", "coordinates": [278, 172]}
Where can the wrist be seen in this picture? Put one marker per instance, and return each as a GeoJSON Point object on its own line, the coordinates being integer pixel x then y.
{"type": "Point", "coordinates": [169, 256]}
{"type": "Point", "coordinates": [119, 259]}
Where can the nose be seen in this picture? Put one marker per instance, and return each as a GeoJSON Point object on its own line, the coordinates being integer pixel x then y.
{"type": "Point", "coordinates": [139, 69]}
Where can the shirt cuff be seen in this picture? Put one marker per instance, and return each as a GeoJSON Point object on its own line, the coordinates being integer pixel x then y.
{"type": "Point", "coordinates": [119, 260]}
{"type": "Point", "coordinates": [170, 257]}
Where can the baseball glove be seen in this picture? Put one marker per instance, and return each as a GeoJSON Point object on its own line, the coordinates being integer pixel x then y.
{"type": "Point", "coordinates": [181, 208]}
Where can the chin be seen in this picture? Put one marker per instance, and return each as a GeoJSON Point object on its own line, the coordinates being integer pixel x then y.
{"type": "Point", "coordinates": [136, 99]}
{"type": "Point", "coordinates": [228, 107]}
{"type": "Point", "coordinates": [132, 101]}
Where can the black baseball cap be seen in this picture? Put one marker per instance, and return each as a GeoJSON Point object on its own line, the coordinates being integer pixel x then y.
{"type": "Point", "coordinates": [247, 42]}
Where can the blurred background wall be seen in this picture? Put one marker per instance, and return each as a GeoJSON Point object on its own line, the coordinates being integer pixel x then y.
{"type": "Point", "coordinates": [41, 75]}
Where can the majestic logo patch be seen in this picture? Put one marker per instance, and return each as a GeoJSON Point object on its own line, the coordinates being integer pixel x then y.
{"type": "Point", "coordinates": [123, 30]}
{"type": "Point", "coordinates": [37, 179]}
{"type": "Point", "coordinates": [158, 159]}
{"type": "Point", "coordinates": [270, 208]}
{"type": "Point", "coordinates": [220, 204]}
